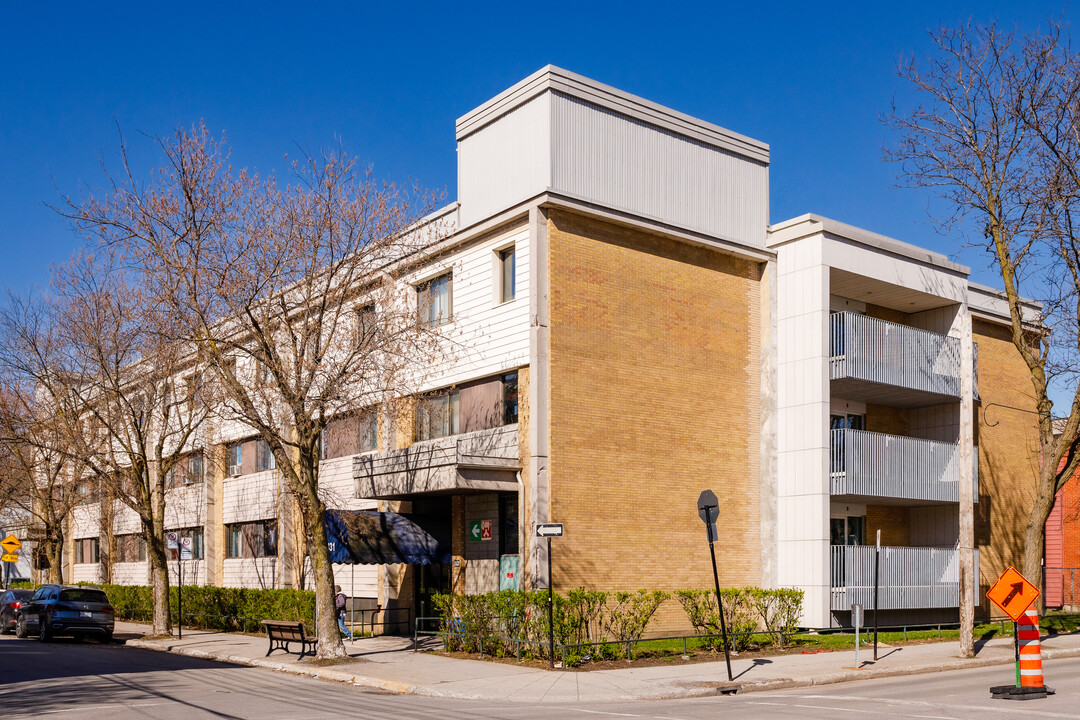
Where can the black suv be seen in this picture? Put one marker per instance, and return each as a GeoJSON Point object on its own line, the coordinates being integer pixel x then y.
{"type": "Point", "coordinates": [65, 610]}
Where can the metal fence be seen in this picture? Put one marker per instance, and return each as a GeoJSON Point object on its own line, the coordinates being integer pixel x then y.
{"type": "Point", "coordinates": [866, 348]}
{"type": "Point", "coordinates": [909, 577]}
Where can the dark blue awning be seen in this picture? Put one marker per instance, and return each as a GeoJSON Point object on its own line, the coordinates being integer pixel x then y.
{"type": "Point", "coordinates": [367, 537]}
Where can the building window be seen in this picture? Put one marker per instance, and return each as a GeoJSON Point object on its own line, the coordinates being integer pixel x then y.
{"type": "Point", "coordinates": [187, 470]}
{"type": "Point", "coordinates": [437, 416]}
{"type": "Point", "coordinates": [253, 539]}
{"type": "Point", "coordinates": [264, 458]}
{"type": "Point", "coordinates": [196, 535]}
{"type": "Point", "coordinates": [366, 324]}
{"type": "Point", "coordinates": [368, 431]}
{"type": "Point", "coordinates": [87, 550]}
{"type": "Point", "coordinates": [433, 300]}
{"type": "Point", "coordinates": [507, 274]}
{"type": "Point", "coordinates": [235, 453]}
{"type": "Point", "coordinates": [510, 398]}
{"type": "Point", "coordinates": [130, 548]}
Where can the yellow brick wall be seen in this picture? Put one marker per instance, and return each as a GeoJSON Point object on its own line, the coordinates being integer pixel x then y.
{"type": "Point", "coordinates": [893, 521]}
{"type": "Point", "coordinates": [1008, 454]}
{"type": "Point", "coordinates": [654, 397]}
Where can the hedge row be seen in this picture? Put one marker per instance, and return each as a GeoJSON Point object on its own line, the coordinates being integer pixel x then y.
{"type": "Point", "coordinates": [216, 608]}
{"type": "Point", "coordinates": [513, 622]}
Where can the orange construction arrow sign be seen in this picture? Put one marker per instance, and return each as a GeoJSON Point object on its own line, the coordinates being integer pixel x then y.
{"type": "Point", "coordinates": [1013, 593]}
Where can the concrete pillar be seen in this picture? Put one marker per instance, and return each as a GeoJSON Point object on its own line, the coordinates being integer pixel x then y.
{"type": "Point", "coordinates": [966, 543]}
{"type": "Point", "coordinates": [539, 386]}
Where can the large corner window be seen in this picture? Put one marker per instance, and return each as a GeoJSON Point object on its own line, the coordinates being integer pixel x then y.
{"type": "Point", "coordinates": [437, 416]}
{"type": "Point", "coordinates": [433, 300]}
{"type": "Point", "coordinates": [507, 274]}
{"type": "Point", "coordinates": [252, 539]}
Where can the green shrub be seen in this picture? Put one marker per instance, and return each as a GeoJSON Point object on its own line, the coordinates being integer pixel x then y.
{"type": "Point", "coordinates": [746, 610]}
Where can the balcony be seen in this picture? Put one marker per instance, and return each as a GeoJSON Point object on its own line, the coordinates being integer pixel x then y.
{"type": "Point", "coordinates": [891, 364]}
{"type": "Point", "coordinates": [893, 466]}
{"type": "Point", "coordinates": [909, 577]}
{"type": "Point", "coordinates": [480, 461]}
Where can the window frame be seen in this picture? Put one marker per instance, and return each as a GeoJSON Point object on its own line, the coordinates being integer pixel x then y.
{"type": "Point", "coordinates": [425, 414]}
{"type": "Point", "coordinates": [501, 256]}
{"type": "Point", "coordinates": [424, 304]}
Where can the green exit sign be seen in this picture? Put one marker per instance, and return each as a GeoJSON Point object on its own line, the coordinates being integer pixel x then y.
{"type": "Point", "coordinates": [480, 530]}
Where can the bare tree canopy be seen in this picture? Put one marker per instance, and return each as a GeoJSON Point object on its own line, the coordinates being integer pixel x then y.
{"type": "Point", "coordinates": [289, 298]}
{"type": "Point", "coordinates": [997, 137]}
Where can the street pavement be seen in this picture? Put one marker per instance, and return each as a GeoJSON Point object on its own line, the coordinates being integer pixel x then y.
{"type": "Point", "coordinates": [93, 681]}
{"type": "Point", "coordinates": [388, 663]}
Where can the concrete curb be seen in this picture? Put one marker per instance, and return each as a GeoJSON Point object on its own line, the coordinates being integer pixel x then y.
{"type": "Point", "coordinates": [313, 672]}
{"type": "Point", "coordinates": [671, 691]}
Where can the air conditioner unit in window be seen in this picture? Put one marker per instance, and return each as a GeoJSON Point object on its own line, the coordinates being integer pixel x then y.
{"type": "Point", "coordinates": [234, 470]}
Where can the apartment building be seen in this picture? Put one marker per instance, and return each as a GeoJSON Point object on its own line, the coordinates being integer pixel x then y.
{"type": "Point", "coordinates": [633, 330]}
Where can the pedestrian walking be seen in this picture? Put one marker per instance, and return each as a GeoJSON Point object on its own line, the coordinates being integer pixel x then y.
{"type": "Point", "coordinates": [339, 606]}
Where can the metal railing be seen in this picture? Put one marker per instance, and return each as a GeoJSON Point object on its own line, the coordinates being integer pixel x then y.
{"type": "Point", "coordinates": [866, 348]}
{"type": "Point", "coordinates": [880, 465]}
{"type": "Point", "coordinates": [909, 577]}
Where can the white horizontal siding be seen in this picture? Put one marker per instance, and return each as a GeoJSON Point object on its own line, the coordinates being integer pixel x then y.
{"type": "Point", "coordinates": [194, 572]}
{"type": "Point", "coordinates": [485, 336]}
{"type": "Point", "coordinates": [130, 573]}
{"type": "Point", "coordinates": [125, 520]}
{"type": "Point", "coordinates": [86, 572]}
{"type": "Point", "coordinates": [86, 521]}
{"type": "Point", "coordinates": [250, 573]}
{"type": "Point", "coordinates": [337, 487]}
{"type": "Point", "coordinates": [250, 497]}
{"type": "Point", "coordinates": [185, 506]}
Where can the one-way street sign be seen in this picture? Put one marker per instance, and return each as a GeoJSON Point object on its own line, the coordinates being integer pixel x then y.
{"type": "Point", "coordinates": [549, 530]}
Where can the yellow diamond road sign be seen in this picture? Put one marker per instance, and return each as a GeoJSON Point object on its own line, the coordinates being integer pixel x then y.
{"type": "Point", "coordinates": [10, 544]}
{"type": "Point", "coordinates": [9, 558]}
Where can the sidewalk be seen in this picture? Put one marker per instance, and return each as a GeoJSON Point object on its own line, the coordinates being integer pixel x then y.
{"type": "Point", "coordinates": [388, 663]}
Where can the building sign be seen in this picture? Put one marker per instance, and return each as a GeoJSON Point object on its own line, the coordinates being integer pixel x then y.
{"type": "Point", "coordinates": [480, 530]}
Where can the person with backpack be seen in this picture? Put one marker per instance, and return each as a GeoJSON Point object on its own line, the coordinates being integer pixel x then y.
{"type": "Point", "coordinates": [339, 607]}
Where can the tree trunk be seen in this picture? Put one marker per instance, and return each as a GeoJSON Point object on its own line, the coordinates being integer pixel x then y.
{"type": "Point", "coordinates": [311, 510]}
{"type": "Point", "coordinates": [54, 549]}
{"type": "Point", "coordinates": [155, 554]}
{"type": "Point", "coordinates": [1034, 531]}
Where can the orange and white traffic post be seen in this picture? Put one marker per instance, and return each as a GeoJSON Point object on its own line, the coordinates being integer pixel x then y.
{"type": "Point", "coordinates": [1014, 595]}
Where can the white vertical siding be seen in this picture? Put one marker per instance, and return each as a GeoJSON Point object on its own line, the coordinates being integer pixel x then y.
{"type": "Point", "coordinates": [125, 520]}
{"type": "Point", "coordinates": [506, 162]}
{"type": "Point", "coordinates": [337, 487]}
{"type": "Point", "coordinates": [86, 572]}
{"type": "Point", "coordinates": [613, 160]}
{"type": "Point", "coordinates": [194, 572]}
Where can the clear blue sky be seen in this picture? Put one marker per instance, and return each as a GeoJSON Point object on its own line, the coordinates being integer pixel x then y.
{"type": "Point", "coordinates": [389, 79]}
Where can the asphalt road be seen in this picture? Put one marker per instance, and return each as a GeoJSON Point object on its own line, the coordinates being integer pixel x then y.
{"type": "Point", "coordinates": [65, 679]}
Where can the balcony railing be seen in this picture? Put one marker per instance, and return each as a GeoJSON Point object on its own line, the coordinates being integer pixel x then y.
{"type": "Point", "coordinates": [893, 466]}
{"type": "Point", "coordinates": [909, 577]}
{"type": "Point", "coordinates": [878, 351]}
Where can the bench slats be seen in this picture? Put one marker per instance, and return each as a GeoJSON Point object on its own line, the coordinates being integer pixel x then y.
{"type": "Point", "coordinates": [281, 633]}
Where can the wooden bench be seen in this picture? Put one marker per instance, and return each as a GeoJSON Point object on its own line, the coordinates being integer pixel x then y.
{"type": "Point", "coordinates": [282, 633]}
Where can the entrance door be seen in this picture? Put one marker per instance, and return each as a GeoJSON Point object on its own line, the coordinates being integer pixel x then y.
{"type": "Point", "coordinates": [430, 579]}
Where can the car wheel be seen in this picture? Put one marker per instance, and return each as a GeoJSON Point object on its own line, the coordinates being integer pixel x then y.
{"type": "Point", "coordinates": [20, 629]}
{"type": "Point", "coordinates": [43, 629]}
{"type": "Point", "coordinates": [5, 628]}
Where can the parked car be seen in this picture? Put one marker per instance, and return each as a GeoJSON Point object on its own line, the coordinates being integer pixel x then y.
{"type": "Point", "coordinates": [10, 602]}
{"type": "Point", "coordinates": [65, 610]}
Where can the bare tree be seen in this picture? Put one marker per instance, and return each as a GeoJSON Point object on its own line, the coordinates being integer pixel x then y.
{"type": "Point", "coordinates": [123, 392]}
{"type": "Point", "coordinates": [292, 297]}
{"type": "Point", "coordinates": [996, 137]}
{"type": "Point", "coordinates": [38, 473]}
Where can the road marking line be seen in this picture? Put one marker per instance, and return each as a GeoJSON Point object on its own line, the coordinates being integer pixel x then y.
{"type": "Point", "coordinates": [600, 712]}
{"type": "Point", "coordinates": [861, 711]}
{"type": "Point", "coordinates": [992, 709]}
